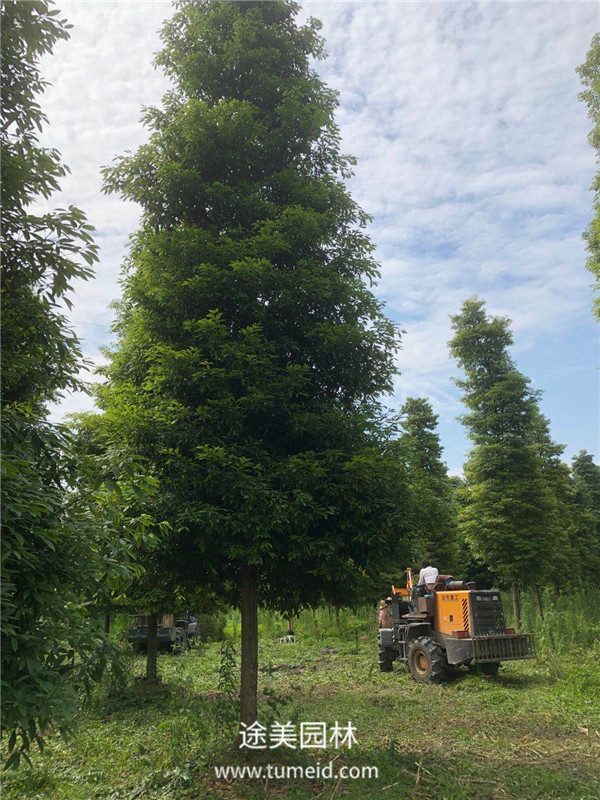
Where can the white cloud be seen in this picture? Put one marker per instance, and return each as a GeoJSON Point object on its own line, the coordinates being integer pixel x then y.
{"type": "Point", "coordinates": [100, 79]}
{"type": "Point", "coordinates": [471, 144]}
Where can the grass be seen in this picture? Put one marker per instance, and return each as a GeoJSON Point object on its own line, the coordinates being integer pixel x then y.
{"type": "Point", "coordinates": [532, 732]}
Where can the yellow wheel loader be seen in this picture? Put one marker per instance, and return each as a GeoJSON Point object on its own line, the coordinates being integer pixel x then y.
{"type": "Point", "coordinates": [451, 624]}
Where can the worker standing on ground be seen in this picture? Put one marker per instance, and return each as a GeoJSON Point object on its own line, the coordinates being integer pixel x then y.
{"type": "Point", "coordinates": [428, 575]}
{"type": "Point", "coordinates": [385, 614]}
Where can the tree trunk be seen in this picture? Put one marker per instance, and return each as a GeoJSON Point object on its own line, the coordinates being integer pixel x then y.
{"type": "Point", "coordinates": [107, 623]}
{"type": "Point", "coordinates": [516, 606]}
{"type": "Point", "coordinates": [249, 674]}
{"type": "Point", "coordinates": [337, 616]}
{"type": "Point", "coordinates": [538, 600]}
{"type": "Point", "coordinates": [152, 648]}
{"type": "Point", "coordinates": [290, 622]}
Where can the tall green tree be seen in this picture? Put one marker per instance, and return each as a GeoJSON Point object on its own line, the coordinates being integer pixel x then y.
{"type": "Point", "coordinates": [586, 479]}
{"type": "Point", "coordinates": [251, 353]}
{"type": "Point", "coordinates": [470, 567]}
{"type": "Point", "coordinates": [434, 510]}
{"type": "Point", "coordinates": [63, 539]}
{"type": "Point", "coordinates": [508, 509]}
{"type": "Point", "coordinates": [561, 522]}
{"type": "Point", "coordinates": [589, 74]}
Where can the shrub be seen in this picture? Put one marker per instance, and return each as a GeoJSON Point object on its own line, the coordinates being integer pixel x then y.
{"type": "Point", "coordinates": [211, 627]}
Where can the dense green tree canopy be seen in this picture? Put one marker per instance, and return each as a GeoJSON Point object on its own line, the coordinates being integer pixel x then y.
{"type": "Point", "coordinates": [67, 545]}
{"type": "Point", "coordinates": [251, 353]}
{"type": "Point", "coordinates": [468, 565]}
{"type": "Point", "coordinates": [560, 525]}
{"type": "Point", "coordinates": [420, 440]}
{"type": "Point", "coordinates": [589, 73]}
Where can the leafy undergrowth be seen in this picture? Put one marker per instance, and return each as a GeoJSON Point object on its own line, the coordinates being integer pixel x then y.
{"type": "Point", "coordinates": [532, 732]}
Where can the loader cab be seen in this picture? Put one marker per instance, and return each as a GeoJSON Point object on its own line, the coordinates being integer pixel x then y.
{"type": "Point", "coordinates": [400, 607]}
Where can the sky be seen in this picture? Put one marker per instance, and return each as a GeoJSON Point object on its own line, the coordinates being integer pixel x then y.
{"type": "Point", "coordinates": [472, 159]}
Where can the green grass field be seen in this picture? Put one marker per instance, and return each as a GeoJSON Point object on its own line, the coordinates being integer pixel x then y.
{"type": "Point", "coordinates": [532, 732]}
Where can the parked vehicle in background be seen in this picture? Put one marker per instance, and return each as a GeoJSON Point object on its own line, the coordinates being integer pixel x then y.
{"type": "Point", "coordinates": [172, 634]}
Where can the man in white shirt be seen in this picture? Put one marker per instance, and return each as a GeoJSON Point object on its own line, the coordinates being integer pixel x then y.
{"type": "Point", "coordinates": [428, 575]}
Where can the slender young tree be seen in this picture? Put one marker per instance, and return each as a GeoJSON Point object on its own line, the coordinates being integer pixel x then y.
{"type": "Point", "coordinates": [589, 73]}
{"type": "Point", "coordinates": [155, 587]}
{"type": "Point", "coordinates": [435, 522]}
{"type": "Point", "coordinates": [507, 511]}
{"type": "Point", "coordinates": [251, 353]}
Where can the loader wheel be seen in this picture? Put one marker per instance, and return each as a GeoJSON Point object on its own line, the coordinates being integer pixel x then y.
{"type": "Point", "coordinates": [426, 660]}
{"type": "Point", "coordinates": [386, 659]}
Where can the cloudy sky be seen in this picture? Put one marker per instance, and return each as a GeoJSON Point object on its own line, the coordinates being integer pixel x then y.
{"type": "Point", "coordinates": [473, 161]}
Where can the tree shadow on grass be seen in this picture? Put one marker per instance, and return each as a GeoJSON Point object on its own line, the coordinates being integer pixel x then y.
{"type": "Point", "coordinates": [457, 675]}
{"type": "Point", "coordinates": [523, 681]}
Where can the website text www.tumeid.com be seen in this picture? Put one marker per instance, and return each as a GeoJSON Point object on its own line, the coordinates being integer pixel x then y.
{"type": "Point", "coordinates": [285, 771]}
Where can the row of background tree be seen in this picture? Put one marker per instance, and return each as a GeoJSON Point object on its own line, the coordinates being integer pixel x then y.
{"type": "Point", "coordinates": [520, 515]}
{"type": "Point", "coordinates": [243, 448]}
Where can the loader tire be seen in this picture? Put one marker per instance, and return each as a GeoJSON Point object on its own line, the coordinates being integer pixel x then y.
{"type": "Point", "coordinates": [386, 659]}
{"type": "Point", "coordinates": [426, 661]}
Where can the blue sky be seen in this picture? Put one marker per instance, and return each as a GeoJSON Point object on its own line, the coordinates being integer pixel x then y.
{"type": "Point", "coordinates": [473, 161]}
